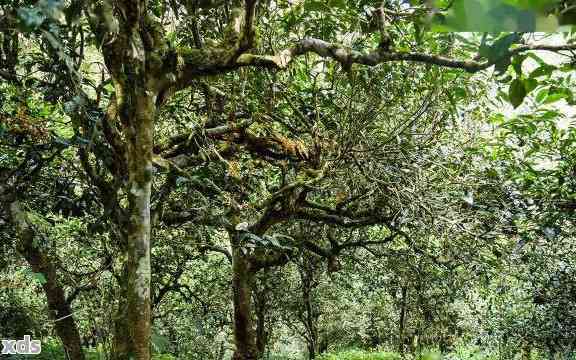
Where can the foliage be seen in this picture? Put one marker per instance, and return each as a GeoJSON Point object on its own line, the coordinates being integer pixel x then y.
{"type": "Point", "coordinates": [499, 15]}
{"type": "Point", "coordinates": [328, 177]}
{"type": "Point", "coordinates": [360, 355]}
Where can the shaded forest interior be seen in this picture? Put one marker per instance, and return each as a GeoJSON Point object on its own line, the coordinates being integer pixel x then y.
{"type": "Point", "coordinates": [283, 180]}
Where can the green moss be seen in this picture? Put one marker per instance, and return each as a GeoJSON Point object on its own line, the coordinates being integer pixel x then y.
{"type": "Point", "coordinates": [188, 51]}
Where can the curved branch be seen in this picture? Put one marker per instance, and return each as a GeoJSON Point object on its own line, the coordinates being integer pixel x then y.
{"type": "Point", "coordinates": [198, 63]}
{"type": "Point", "coordinates": [217, 249]}
{"type": "Point", "coordinates": [347, 56]}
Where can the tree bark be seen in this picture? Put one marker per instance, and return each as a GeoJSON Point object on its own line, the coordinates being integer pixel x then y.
{"type": "Point", "coordinates": [242, 282]}
{"type": "Point", "coordinates": [402, 321]}
{"type": "Point", "coordinates": [121, 335]}
{"type": "Point", "coordinates": [137, 115]}
{"type": "Point", "coordinates": [136, 92]}
{"type": "Point", "coordinates": [310, 321]}
{"type": "Point", "coordinates": [41, 263]}
{"type": "Point", "coordinates": [261, 333]}
{"type": "Point", "coordinates": [310, 315]}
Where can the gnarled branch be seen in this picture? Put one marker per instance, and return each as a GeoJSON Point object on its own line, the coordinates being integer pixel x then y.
{"type": "Point", "coordinates": [347, 56]}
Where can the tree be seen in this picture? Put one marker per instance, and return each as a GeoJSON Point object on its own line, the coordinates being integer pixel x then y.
{"type": "Point", "coordinates": [148, 67]}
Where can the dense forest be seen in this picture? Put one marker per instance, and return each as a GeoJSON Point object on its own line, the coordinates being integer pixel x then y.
{"type": "Point", "coordinates": [287, 179]}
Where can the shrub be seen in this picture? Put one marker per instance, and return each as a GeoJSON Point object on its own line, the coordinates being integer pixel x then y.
{"type": "Point", "coordinates": [429, 355]}
{"type": "Point", "coordinates": [361, 355]}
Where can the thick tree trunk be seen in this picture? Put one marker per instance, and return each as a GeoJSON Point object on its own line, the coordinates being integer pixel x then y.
{"type": "Point", "coordinates": [261, 333]}
{"type": "Point", "coordinates": [137, 115]}
{"type": "Point", "coordinates": [41, 263]}
{"type": "Point", "coordinates": [242, 282]}
{"type": "Point", "coordinates": [121, 347]}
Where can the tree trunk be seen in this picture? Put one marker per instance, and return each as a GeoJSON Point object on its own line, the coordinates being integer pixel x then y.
{"type": "Point", "coordinates": [41, 263]}
{"type": "Point", "coordinates": [121, 335]}
{"type": "Point", "coordinates": [310, 314]}
{"type": "Point", "coordinates": [310, 319]}
{"type": "Point", "coordinates": [311, 350]}
{"type": "Point", "coordinates": [323, 345]}
{"type": "Point", "coordinates": [242, 282]}
{"type": "Point", "coordinates": [373, 332]}
{"type": "Point", "coordinates": [137, 115]}
{"type": "Point", "coordinates": [402, 321]}
{"type": "Point", "coordinates": [261, 333]}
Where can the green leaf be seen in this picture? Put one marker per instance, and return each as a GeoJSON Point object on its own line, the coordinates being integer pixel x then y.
{"type": "Point", "coordinates": [159, 342]}
{"type": "Point", "coordinates": [517, 92]}
{"type": "Point", "coordinates": [543, 70]}
{"type": "Point", "coordinates": [497, 52]}
{"type": "Point", "coordinates": [568, 67]}
{"type": "Point", "coordinates": [40, 278]}
{"type": "Point", "coordinates": [503, 95]}
{"type": "Point", "coordinates": [460, 92]}
{"type": "Point", "coordinates": [501, 46]}
{"type": "Point", "coordinates": [542, 95]}
{"type": "Point", "coordinates": [340, 4]}
{"type": "Point", "coordinates": [314, 5]}
{"type": "Point", "coordinates": [536, 58]}
{"type": "Point", "coordinates": [554, 97]}
{"type": "Point", "coordinates": [502, 65]}
{"type": "Point", "coordinates": [556, 94]}
{"type": "Point", "coordinates": [530, 84]}
{"type": "Point", "coordinates": [517, 64]}
{"type": "Point", "coordinates": [109, 88]}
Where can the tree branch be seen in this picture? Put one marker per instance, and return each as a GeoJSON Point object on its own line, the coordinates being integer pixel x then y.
{"type": "Point", "coordinates": [248, 34]}
{"type": "Point", "coordinates": [77, 292]}
{"type": "Point", "coordinates": [176, 144]}
{"type": "Point", "coordinates": [239, 37]}
{"type": "Point", "coordinates": [182, 217]}
{"type": "Point", "coordinates": [331, 217]}
{"type": "Point", "coordinates": [347, 56]}
{"type": "Point", "coordinates": [269, 260]}
{"type": "Point", "coordinates": [9, 76]}
{"type": "Point", "coordinates": [317, 249]}
{"type": "Point", "coordinates": [352, 244]}
{"type": "Point", "coordinates": [218, 249]}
